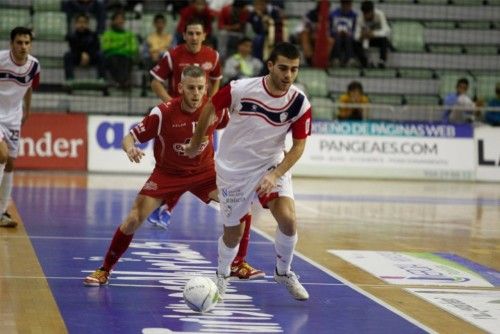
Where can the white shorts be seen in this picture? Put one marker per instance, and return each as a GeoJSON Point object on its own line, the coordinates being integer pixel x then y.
{"type": "Point", "coordinates": [11, 138]}
{"type": "Point", "coordinates": [237, 193]}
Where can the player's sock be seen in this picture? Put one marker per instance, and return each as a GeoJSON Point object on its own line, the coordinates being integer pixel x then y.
{"type": "Point", "coordinates": [226, 256]}
{"type": "Point", "coordinates": [243, 250]}
{"type": "Point", "coordinates": [284, 246]}
{"type": "Point", "coordinates": [118, 246]}
{"type": "Point", "coordinates": [5, 190]}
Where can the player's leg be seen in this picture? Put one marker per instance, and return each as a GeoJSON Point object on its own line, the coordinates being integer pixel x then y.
{"type": "Point", "coordinates": [4, 155]}
{"type": "Point", "coordinates": [6, 191]}
{"type": "Point", "coordinates": [142, 207]}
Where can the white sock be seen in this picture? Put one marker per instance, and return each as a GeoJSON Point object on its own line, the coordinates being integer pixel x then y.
{"type": "Point", "coordinates": [5, 189]}
{"type": "Point", "coordinates": [226, 257]}
{"type": "Point", "coordinates": [284, 246]}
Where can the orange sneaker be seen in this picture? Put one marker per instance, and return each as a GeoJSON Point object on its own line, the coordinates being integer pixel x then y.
{"type": "Point", "coordinates": [97, 278]}
{"type": "Point", "coordinates": [246, 271]}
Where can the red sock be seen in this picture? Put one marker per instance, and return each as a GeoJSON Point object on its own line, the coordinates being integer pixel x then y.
{"type": "Point", "coordinates": [242, 251]}
{"type": "Point", "coordinates": [118, 246]}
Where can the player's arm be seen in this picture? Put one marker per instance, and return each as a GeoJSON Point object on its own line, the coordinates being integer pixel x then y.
{"type": "Point", "coordinates": [27, 104]}
{"type": "Point", "coordinates": [134, 153]}
{"type": "Point", "coordinates": [214, 87]}
{"type": "Point", "coordinates": [159, 89]}
{"type": "Point", "coordinates": [206, 118]}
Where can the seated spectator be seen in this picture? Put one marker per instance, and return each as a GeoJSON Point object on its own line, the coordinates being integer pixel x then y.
{"type": "Point", "coordinates": [120, 48]}
{"type": "Point", "coordinates": [354, 95]}
{"type": "Point", "coordinates": [198, 9]}
{"type": "Point", "coordinates": [232, 26]}
{"type": "Point", "coordinates": [342, 26]}
{"type": "Point", "coordinates": [307, 31]}
{"type": "Point", "coordinates": [157, 41]}
{"type": "Point", "coordinates": [268, 24]}
{"type": "Point", "coordinates": [372, 30]}
{"type": "Point", "coordinates": [460, 106]}
{"type": "Point", "coordinates": [492, 117]}
{"type": "Point", "coordinates": [242, 64]}
{"type": "Point", "coordinates": [95, 8]}
{"type": "Point", "coordinates": [84, 49]}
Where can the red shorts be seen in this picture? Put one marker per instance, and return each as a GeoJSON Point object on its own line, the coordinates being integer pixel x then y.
{"type": "Point", "coordinates": [170, 187]}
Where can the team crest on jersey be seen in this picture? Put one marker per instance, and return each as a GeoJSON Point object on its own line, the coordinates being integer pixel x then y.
{"type": "Point", "coordinates": [179, 148]}
{"type": "Point", "coordinates": [207, 66]}
{"type": "Point", "coordinates": [283, 116]}
{"type": "Point", "coordinates": [150, 185]}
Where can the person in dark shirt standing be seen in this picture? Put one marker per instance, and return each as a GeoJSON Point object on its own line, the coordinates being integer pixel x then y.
{"type": "Point", "coordinates": [84, 49]}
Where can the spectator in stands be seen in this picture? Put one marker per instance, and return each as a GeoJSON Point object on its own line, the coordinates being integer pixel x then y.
{"type": "Point", "coordinates": [232, 26]}
{"type": "Point", "coordinates": [268, 24]}
{"type": "Point", "coordinates": [95, 8]}
{"type": "Point", "coordinates": [157, 41]}
{"type": "Point", "coordinates": [460, 105]}
{"type": "Point", "coordinates": [84, 49]}
{"type": "Point", "coordinates": [354, 95]}
{"type": "Point", "coordinates": [371, 30]}
{"type": "Point", "coordinates": [492, 117]}
{"type": "Point", "coordinates": [120, 48]}
{"type": "Point", "coordinates": [306, 33]}
{"type": "Point", "coordinates": [199, 10]}
{"type": "Point", "coordinates": [242, 64]}
{"type": "Point", "coordinates": [342, 27]}
{"type": "Point", "coordinates": [175, 6]}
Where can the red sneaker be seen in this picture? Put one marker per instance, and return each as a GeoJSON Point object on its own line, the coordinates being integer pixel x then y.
{"type": "Point", "coordinates": [246, 271]}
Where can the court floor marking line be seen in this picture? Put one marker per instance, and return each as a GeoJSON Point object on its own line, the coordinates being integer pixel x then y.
{"type": "Point", "coordinates": [352, 286]}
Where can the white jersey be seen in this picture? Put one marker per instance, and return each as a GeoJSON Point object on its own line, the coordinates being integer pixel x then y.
{"type": "Point", "coordinates": [254, 138]}
{"type": "Point", "coordinates": [14, 82]}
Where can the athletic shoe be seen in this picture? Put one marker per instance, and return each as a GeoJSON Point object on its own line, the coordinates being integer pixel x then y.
{"type": "Point", "coordinates": [159, 218]}
{"type": "Point", "coordinates": [221, 282]}
{"type": "Point", "coordinates": [246, 271]}
{"type": "Point", "coordinates": [6, 220]}
{"type": "Point", "coordinates": [291, 281]}
{"type": "Point", "coordinates": [97, 278]}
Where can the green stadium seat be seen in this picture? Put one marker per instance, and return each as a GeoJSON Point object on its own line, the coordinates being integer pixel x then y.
{"type": "Point", "coordinates": [51, 62]}
{"type": "Point", "coordinates": [323, 108]}
{"type": "Point", "coordinates": [385, 99]}
{"type": "Point", "coordinates": [433, 2]}
{"type": "Point", "coordinates": [422, 100]}
{"type": "Point", "coordinates": [449, 82]}
{"type": "Point", "coordinates": [344, 72]}
{"type": "Point", "coordinates": [50, 25]}
{"type": "Point", "coordinates": [379, 73]}
{"type": "Point", "coordinates": [486, 86]}
{"type": "Point", "coordinates": [416, 73]}
{"type": "Point", "coordinates": [47, 5]}
{"type": "Point", "coordinates": [482, 49]}
{"type": "Point", "coordinates": [440, 25]}
{"type": "Point", "coordinates": [315, 81]}
{"type": "Point", "coordinates": [10, 18]}
{"type": "Point", "coordinates": [482, 25]}
{"type": "Point", "coordinates": [408, 36]}
{"type": "Point", "coordinates": [450, 49]}
{"type": "Point", "coordinates": [494, 2]}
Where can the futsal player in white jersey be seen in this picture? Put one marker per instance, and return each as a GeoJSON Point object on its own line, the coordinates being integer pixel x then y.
{"type": "Point", "coordinates": [19, 75]}
{"type": "Point", "coordinates": [251, 161]}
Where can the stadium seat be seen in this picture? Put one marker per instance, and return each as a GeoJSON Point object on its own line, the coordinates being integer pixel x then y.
{"type": "Point", "coordinates": [422, 100]}
{"type": "Point", "coordinates": [323, 108]}
{"type": "Point", "coordinates": [47, 5]}
{"type": "Point", "coordinates": [344, 72]}
{"type": "Point", "coordinates": [482, 49]}
{"type": "Point", "coordinates": [432, 2]}
{"type": "Point", "coordinates": [385, 99]}
{"type": "Point", "coordinates": [440, 25]}
{"type": "Point", "coordinates": [486, 86]}
{"type": "Point", "coordinates": [484, 25]}
{"type": "Point", "coordinates": [416, 73]}
{"type": "Point", "coordinates": [379, 73]}
{"type": "Point", "coordinates": [49, 25]}
{"type": "Point", "coordinates": [450, 49]}
{"type": "Point", "coordinates": [315, 81]}
{"type": "Point", "coordinates": [10, 18]}
{"type": "Point", "coordinates": [408, 36]}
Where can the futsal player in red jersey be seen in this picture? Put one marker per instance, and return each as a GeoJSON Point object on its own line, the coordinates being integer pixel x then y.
{"type": "Point", "coordinates": [192, 52]}
{"type": "Point", "coordinates": [171, 124]}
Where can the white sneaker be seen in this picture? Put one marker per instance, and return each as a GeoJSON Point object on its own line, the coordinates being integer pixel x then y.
{"type": "Point", "coordinates": [293, 285]}
{"type": "Point", "coordinates": [221, 282]}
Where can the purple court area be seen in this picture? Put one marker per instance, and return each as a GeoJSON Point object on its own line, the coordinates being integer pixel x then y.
{"type": "Point", "coordinates": [71, 229]}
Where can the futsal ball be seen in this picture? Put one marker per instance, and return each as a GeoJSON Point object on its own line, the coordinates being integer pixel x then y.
{"type": "Point", "coordinates": [201, 294]}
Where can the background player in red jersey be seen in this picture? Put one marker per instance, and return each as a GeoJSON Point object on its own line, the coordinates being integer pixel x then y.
{"type": "Point", "coordinates": [193, 52]}
{"type": "Point", "coordinates": [172, 123]}
{"type": "Point", "coordinates": [19, 75]}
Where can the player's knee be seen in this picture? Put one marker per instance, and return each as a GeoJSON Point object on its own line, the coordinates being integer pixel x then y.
{"type": "Point", "coordinates": [4, 153]}
{"type": "Point", "coordinates": [287, 225]}
{"type": "Point", "coordinates": [132, 222]}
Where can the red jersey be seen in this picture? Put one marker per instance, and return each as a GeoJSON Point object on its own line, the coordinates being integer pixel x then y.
{"type": "Point", "coordinates": [171, 127]}
{"type": "Point", "coordinates": [175, 60]}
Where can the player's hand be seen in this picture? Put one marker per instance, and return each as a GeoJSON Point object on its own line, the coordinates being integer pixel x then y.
{"type": "Point", "coordinates": [267, 184]}
{"type": "Point", "coordinates": [135, 154]}
{"type": "Point", "coordinates": [191, 151]}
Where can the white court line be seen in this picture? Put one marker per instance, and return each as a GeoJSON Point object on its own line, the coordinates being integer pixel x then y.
{"type": "Point", "coordinates": [352, 286]}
